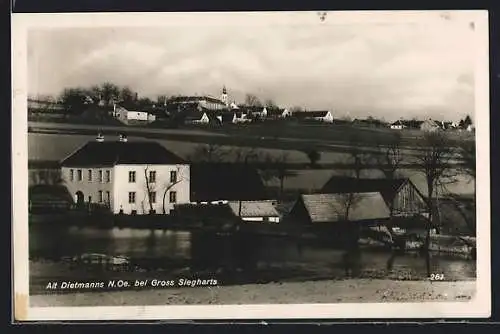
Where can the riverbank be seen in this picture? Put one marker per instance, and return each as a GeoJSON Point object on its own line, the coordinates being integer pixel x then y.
{"type": "Point", "coordinates": [329, 291]}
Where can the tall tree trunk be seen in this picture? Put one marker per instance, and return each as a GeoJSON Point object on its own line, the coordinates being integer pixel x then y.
{"type": "Point", "coordinates": [430, 191]}
{"type": "Point", "coordinates": [282, 186]}
{"type": "Point", "coordinates": [163, 201]}
{"type": "Point", "coordinates": [148, 190]}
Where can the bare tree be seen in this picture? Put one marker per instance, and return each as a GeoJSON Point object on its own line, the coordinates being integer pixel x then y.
{"type": "Point", "coordinates": [149, 189]}
{"type": "Point", "coordinates": [358, 157]}
{"type": "Point", "coordinates": [152, 186]}
{"type": "Point", "coordinates": [252, 100]}
{"type": "Point", "coordinates": [313, 156]}
{"type": "Point", "coordinates": [74, 100]}
{"type": "Point", "coordinates": [126, 95]}
{"type": "Point", "coordinates": [46, 176]}
{"type": "Point", "coordinates": [162, 100]}
{"type": "Point", "coordinates": [352, 256]}
{"type": "Point", "coordinates": [109, 93]}
{"type": "Point", "coordinates": [388, 158]}
{"type": "Point", "coordinates": [269, 103]}
{"type": "Point", "coordinates": [435, 164]}
{"type": "Point", "coordinates": [95, 94]}
{"type": "Point", "coordinates": [243, 154]}
{"type": "Point", "coordinates": [208, 153]}
{"type": "Point", "coordinates": [467, 153]}
{"type": "Point", "coordinates": [278, 168]}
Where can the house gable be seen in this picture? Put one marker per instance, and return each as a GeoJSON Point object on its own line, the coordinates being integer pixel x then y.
{"type": "Point", "coordinates": [298, 214]}
{"type": "Point", "coordinates": [408, 201]}
{"type": "Point", "coordinates": [399, 194]}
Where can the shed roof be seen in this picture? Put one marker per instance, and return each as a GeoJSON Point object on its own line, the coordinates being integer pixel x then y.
{"type": "Point", "coordinates": [254, 208]}
{"type": "Point", "coordinates": [331, 207]}
{"type": "Point", "coordinates": [388, 188]}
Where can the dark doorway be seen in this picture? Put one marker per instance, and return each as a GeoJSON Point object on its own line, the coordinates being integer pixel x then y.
{"type": "Point", "coordinates": [79, 198]}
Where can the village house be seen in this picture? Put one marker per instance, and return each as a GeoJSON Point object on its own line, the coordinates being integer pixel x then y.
{"type": "Point", "coordinates": [275, 113]}
{"type": "Point", "coordinates": [126, 177]}
{"type": "Point", "coordinates": [201, 115]}
{"type": "Point", "coordinates": [131, 117]}
{"type": "Point", "coordinates": [323, 116]}
{"type": "Point", "coordinates": [234, 117]}
{"type": "Point", "coordinates": [398, 125]}
{"type": "Point", "coordinates": [256, 112]}
{"type": "Point", "coordinates": [401, 195]}
{"type": "Point", "coordinates": [313, 209]}
{"type": "Point", "coordinates": [255, 211]}
{"type": "Point", "coordinates": [205, 101]}
{"type": "Point", "coordinates": [228, 212]}
{"type": "Point", "coordinates": [407, 205]}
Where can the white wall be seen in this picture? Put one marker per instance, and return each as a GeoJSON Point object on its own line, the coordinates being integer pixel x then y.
{"type": "Point", "coordinates": [328, 117]}
{"type": "Point", "coordinates": [88, 188]}
{"type": "Point", "coordinates": [137, 115]}
{"type": "Point", "coordinates": [121, 187]}
{"type": "Point", "coordinates": [261, 219]}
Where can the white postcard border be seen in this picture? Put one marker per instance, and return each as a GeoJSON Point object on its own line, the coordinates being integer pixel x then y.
{"type": "Point", "coordinates": [480, 306]}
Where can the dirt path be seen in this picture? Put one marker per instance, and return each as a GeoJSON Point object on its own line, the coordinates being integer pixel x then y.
{"type": "Point", "coordinates": [344, 291]}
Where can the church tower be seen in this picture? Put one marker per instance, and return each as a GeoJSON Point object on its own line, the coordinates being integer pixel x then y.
{"type": "Point", "coordinates": [224, 97]}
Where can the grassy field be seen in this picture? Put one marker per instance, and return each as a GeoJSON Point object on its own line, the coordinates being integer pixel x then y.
{"type": "Point", "coordinates": [288, 133]}
{"type": "Point", "coordinates": [332, 133]}
{"type": "Point", "coordinates": [54, 147]}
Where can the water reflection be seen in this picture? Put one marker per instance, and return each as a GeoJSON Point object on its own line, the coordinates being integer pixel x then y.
{"type": "Point", "coordinates": [212, 252]}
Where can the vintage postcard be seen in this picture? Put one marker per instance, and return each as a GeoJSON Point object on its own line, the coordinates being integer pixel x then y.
{"type": "Point", "coordinates": [259, 165]}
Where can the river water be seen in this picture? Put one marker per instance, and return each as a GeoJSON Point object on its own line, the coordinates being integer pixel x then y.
{"type": "Point", "coordinates": [168, 249]}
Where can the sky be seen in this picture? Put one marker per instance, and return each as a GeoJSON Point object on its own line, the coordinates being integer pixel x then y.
{"type": "Point", "coordinates": [385, 70]}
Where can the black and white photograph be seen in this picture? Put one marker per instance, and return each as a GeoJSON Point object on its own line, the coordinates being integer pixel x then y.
{"type": "Point", "coordinates": [251, 165]}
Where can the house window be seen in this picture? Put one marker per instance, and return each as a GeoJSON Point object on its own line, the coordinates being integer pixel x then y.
{"type": "Point", "coordinates": [108, 176]}
{"type": "Point", "coordinates": [131, 177]}
{"type": "Point", "coordinates": [79, 174]}
{"type": "Point", "coordinates": [108, 197]}
{"type": "Point", "coordinates": [131, 197]}
{"type": "Point", "coordinates": [152, 176]}
{"type": "Point", "coordinates": [89, 175]}
{"type": "Point", "coordinates": [100, 176]}
{"type": "Point", "coordinates": [152, 196]}
{"type": "Point", "coordinates": [173, 176]}
{"type": "Point", "coordinates": [100, 196]}
{"type": "Point", "coordinates": [71, 175]}
{"type": "Point", "coordinates": [173, 197]}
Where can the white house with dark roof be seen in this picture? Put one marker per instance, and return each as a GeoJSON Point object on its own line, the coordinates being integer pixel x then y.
{"type": "Point", "coordinates": [132, 116]}
{"type": "Point", "coordinates": [398, 125]}
{"type": "Point", "coordinates": [121, 174]}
